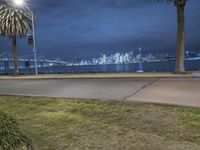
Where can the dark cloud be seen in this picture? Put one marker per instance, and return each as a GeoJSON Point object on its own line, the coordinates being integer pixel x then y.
{"type": "Point", "coordinates": [84, 28]}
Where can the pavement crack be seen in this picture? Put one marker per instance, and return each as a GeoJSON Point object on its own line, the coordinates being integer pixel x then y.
{"type": "Point", "coordinates": [150, 83]}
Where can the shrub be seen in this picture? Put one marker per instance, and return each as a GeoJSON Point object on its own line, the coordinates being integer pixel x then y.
{"type": "Point", "coordinates": [10, 135]}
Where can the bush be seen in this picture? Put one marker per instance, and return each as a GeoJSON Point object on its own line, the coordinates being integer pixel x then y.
{"type": "Point", "coordinates": [10, 135]}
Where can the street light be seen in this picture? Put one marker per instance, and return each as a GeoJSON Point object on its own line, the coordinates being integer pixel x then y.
{"type": "Point", "coordinates": [34, 45]}
{"type": "Point", "coordinates": [21, 3]}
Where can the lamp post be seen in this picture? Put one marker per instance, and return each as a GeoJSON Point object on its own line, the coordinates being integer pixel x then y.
{"type": "Point", "coordinates": [34, 45]}
{"type": "Point", "coordinates": [18, 2]}
{"type": "Point", "coordinates": [21, 3]}
{"type": "Point", "coordinates": [141, 61]}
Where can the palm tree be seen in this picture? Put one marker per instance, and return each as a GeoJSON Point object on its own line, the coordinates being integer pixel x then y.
{"type": "Point", "coordinates": [180, 43]}
{"type": "Point", "coordinates": [14, 22]}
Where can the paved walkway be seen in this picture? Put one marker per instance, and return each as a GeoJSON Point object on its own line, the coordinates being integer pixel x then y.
{"type": "Point", "coordinates": [171, 91]}
{"type": "Point", "coordinates": [178, 91]}
{"type": "Point", "coordinates": [112, 89]}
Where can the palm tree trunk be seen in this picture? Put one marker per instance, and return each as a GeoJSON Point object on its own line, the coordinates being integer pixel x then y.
{"type": "Point", "coordinates": [180, 49]}
{"type": "Point", "coordinates": [15, 56]}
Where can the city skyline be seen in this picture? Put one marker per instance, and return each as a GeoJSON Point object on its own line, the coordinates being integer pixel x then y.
{"type": "Point", "coordinates": [131, 57]}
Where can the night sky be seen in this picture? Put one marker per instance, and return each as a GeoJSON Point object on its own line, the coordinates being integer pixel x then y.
{"type": "Point", "coordinates": [85, 28]}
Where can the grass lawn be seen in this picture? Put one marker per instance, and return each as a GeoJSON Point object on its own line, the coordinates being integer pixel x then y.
{"type": "Point", "coordinates": [55, 123]}
{"type": "Point", "coordinates": [103, 75]}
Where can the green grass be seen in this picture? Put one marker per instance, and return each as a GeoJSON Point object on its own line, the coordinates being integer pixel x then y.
{"type": "Point", "coordinates": [55, 123]}
{"type": "Point", "coordinates": [103, 75]}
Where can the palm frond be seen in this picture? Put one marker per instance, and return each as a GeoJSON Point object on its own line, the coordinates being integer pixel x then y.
{"type": "Point", "coordinates": [13, 21]}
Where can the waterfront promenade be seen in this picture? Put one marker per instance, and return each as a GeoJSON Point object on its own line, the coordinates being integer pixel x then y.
{"type": "Point", "coordinates": [160, 88]}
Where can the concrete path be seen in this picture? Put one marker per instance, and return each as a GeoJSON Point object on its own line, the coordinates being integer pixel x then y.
{"type": "Point", "coordinates": [183, 91]}
{"type": "Point", "coordinates": [177, 91]}
{"type": "Point", "coordinates": [111, 89]}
